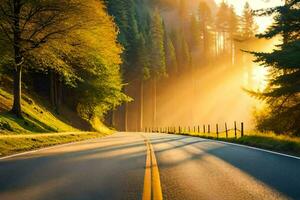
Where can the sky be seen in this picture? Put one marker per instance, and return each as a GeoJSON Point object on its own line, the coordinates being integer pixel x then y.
{"type": "Point", "coordinates": [263, 22]}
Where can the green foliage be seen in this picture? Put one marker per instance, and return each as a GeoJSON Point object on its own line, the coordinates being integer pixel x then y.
{"type": "Point", "coordinates": [171, 59]}
{"type": "Point", "coordinates": [79, 44]}
{"type": "Point", "coordinates": [158, 64]}
{"type": "Point", "coordinates": [37, 118]}
{"type": "Point", "coordinates": [283, 92]}
{"type": "Point", "coordinates": [12, 144]}
{"type": "Point", "coordinates": [132, 18]}
{"type": "Point", "coordinates": [182, 50]}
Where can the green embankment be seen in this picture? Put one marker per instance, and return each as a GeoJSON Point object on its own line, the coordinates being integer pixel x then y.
{"type": "Point", "coordinates": [11, 144]}
{"type": "Point", "coordinates": [37, 118]}
{"type": "Point", "coordinates": [40, 127]}
{"type": "Point", "coordinates": [269, 141]}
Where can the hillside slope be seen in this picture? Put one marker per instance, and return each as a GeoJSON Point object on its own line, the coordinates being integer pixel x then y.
{"type": "Point", "coordinates": [37, 118]}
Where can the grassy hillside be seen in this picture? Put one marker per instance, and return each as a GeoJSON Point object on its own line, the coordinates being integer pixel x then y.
{"type": "Point", "coordinates": [41, 127]}
{"type": "Point", "coordinates": [37, 118]}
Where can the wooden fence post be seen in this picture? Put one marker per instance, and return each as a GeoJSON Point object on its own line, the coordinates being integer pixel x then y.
{"type": "Point", "coordinates": [242, 129]}
{"type": "Point", "coordinates": [179, 131]}
{"type": "Point", "coordinates": [198, 129]}
{"type": "Point", "coordinates": [235, 130]}
{"type": "Point", "coordinates": [217, 129]}
{"type": "Point", "coordinates": [226, 129]}
{"type": "Point", "coordinates": [204, 129]}
{"type": "Point", "coordinates": [208, 131]}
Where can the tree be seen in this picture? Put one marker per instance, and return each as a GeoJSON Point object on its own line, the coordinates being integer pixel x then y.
{"type": "Point", "coordinates": [283, 92]}
{"type": "Point", "coordinates": [143, 66]}
{"type": "Point", "coordinates": [171, 59]}
{"type": "Point", "coordinates": [233, 32]}
{"type": "Point", "coordinates": [195, 32]}
{"type": "Point", "coordinates": [29, 25]}
{"type": "Point", "coordinates": [205, 21]}
{"type": "Point", "coordinates": [158, 61]}
{"type": "Point", "coordinates": [222, 26]}
{"type": "Point", "coordinates": [249, 27]}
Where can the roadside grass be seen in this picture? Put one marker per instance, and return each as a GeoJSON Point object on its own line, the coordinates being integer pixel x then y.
{"type": "Point", "coordinates": [269, 141]}
{"type": "Point", "coordinates": [40, 127]}
{"type": "Point", "coordinates": [12, 144]}
{"type": "Point", "coordinates": [37, 118]}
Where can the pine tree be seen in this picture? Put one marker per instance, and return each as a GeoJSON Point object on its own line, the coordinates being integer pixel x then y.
{"type": "Point", "coordinates": [182, 50]}
{"type": "Point", "coordinates": [222, 26]}
{"type": "Point", "coordinates": [249, 27]}
{"type": "Point", "coordinates": [171, 59]}
{"type": "Point", "coordinates": [283, 92]}
{"type": "Point", "coordinates": [158, 64]}
{"type": "Point", "coordinates": [158, 60]}
{"type": "Point", "coordinates": [195, 34]}
{"type": "Point", "coordinates": [205, 21]}
{"type": "Point", "coordinates": [233, 33]}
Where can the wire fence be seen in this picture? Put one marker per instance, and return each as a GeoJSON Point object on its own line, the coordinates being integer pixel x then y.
{"type": "Point", "coordinates": [206, 130]}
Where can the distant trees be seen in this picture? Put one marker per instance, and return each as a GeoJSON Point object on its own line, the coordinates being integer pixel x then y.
{"type": "Point", "coordinates": [283, 92]}
{"type": "Point", "coordinates": [248, 25]}
{"type": "Point", "coordinates": [73, 43]}
{"type": "Point", "coordinates": [160, 48]}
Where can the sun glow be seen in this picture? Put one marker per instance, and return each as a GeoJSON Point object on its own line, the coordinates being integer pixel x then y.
{"type": "Point", "coordinates": [259, 76]}
{"type": "Point", "coordinates": [262, 22]}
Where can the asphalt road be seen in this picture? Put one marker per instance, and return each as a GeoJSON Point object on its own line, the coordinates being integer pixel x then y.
{"type": "Point", "coordinates": [114, 168]}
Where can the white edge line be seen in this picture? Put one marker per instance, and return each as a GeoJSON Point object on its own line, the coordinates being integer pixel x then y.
{"type": "Point", "coordinates": [47, 148]}
{"type": "Point", "coordinates": [245, 146]}
{"type": "Point", "coordinates": [255, 148]}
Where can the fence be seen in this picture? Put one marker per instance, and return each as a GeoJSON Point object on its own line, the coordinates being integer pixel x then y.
{"type": "Point", "coordinates": [204, 130]}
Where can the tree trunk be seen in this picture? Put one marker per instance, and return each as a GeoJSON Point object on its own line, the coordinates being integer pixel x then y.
{"type": "Point", "coordinates": [17, 109]}
{"type": "Point", "coordinates": [154, 102]}
{"type": "Point", "coordinates": [141, 117]}
{"type": "Point", "coordinates": [126, 113]}
{"type": "Point", "coordinates": [52, 89]}
{"type": "Point", "coordinates": [55, 91]}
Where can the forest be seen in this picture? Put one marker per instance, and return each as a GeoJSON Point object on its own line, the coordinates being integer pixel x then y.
{"type": "Point", "coordinates": [135, 64]}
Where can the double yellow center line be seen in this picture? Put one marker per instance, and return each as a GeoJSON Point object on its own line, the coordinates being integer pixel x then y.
{"type": "Point", "coordinates": [152, 186]}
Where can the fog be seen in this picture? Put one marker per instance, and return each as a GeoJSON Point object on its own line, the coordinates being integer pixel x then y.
{"type": "Point", "coordinates": [210, 90]}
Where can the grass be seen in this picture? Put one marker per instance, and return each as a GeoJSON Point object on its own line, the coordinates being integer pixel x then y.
{"type": "Point", "coordinates": [269, 141]}
{"type": "Point", "coordinates": [37, 118]}
{"type": "Point", "coordinates": [40, 127]}
{"type": "Point", "coordinates": [12, 144]}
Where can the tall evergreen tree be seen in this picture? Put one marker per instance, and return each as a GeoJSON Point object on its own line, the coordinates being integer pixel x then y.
{"type": "Point", "coordinates": [171, 59]}
{"type": "Point", "coordinates": [283, 92]}
{"type": "Point", "coordinates": [158, 60]}
{"type": "Point", "coordinates": [249, 27]}
{"type": "Point", "coordinates": [205, 21]}
{"type": "Point", "coordinates": [158, 64]}
{"type": "Point", "coordinates": [233, 33]}
{"type": "Point", "coordinates": [195, 33]}
{"type": "Point", "coordinates": [222, 26]}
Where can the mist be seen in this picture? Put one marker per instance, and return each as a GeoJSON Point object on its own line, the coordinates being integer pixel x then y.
{"type": "Point", "coordinates": [212, 73]}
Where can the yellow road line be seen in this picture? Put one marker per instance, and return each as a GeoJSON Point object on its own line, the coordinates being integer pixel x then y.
{"type": "Point", "coordinates": [156, 186]}
{"type": "Point", "coordinates": [147, 178]}
{"type": "Point", "coordinates": [152, 185]}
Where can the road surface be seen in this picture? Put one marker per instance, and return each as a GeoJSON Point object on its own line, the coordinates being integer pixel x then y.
{"type": "Point", "coordinates": [149, 166]}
